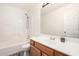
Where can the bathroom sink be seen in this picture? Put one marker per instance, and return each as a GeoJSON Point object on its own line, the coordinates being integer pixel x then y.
{"type": "Point", "coordinates": [51, 41]}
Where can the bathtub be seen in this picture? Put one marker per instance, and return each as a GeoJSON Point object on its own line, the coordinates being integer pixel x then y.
{"type": "Point", "coordinates": [7, 49]}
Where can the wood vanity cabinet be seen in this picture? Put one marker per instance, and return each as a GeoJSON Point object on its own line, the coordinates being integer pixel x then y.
{"type": "Point", "coordinates": [44, 49]}
{"type": "Point", "coordinates": [57, 53]}
{"type": "Point", "coordinates": [43, 54]}
{"type": "Point", "coordinates": [32, 42]}
{"type": "Point", "coordinates": [38, 49]}
{"type": "Point", "coordinates": [34, 51]}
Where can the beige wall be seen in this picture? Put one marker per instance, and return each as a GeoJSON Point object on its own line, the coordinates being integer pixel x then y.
{"type": "Point", "coordinates": [53, 22]}
{"type": "Point", "coordinates": [34, 15]}
{"type": "Point", "coordinates": [71, 20]}
{"type": "Point", "coordinates": [13, 23]}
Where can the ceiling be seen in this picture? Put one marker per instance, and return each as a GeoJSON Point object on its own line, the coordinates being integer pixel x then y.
{"type": "Point", "coordinates": [51, 7]}
{"type": "Point", "coordinates": [29, 6]}
{"type": "Point", "coordinates": [24, 6]}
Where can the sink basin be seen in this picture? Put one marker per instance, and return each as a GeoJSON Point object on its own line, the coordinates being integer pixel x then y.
{"type": "Point", "coordinates": [48, 41]}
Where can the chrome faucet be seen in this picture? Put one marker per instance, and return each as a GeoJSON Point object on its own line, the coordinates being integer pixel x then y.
{"type": "Point", "coordinates": [62, 39]}
{"type": "Point", "coordinates": [52, 38]}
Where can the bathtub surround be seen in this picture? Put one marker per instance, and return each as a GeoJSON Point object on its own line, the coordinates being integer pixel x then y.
{"type": "Point", "coordinates": [35, 16]}
{"type": "Point", "coordinates": [13, 31]}
{"type": "Point", "coordinates": [13, 22]}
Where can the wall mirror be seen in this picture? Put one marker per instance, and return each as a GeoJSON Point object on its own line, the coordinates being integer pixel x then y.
{"type": "Point", "coordinates": [60, 18]}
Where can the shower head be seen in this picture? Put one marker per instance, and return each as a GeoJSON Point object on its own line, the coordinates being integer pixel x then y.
{"type": "Point", "coordinates": [26, 15]}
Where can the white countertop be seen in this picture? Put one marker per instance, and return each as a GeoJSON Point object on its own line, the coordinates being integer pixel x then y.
{"type": "Point", "coordinates": [69, 47]}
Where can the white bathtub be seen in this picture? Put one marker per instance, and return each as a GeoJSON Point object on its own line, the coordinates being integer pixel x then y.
{"type": "Point", "coordinates": [9, 49]}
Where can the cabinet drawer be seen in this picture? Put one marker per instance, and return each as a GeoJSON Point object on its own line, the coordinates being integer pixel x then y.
{"type": "Point", "coordinates": [43, 54]}
{"type": "Point", "coordinates": [57, 53]}
{"type": "Point", "coordinates": [32, 42]}
{"type": "Point", "coordinates": [34, 51]}
{"type": "Point", "coordinates": [44, 49]}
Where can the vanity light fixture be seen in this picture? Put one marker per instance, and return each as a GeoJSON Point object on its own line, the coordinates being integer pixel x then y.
{"type": "Point", "coordinates": [44, 5]}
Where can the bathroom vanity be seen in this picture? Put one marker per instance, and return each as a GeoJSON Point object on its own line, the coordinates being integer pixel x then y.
{"type": "Point", "coordinates": [38, 49]}
{"type": "Point", "coordinates": [44, 46]}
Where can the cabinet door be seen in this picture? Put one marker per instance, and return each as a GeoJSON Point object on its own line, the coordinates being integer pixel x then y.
{"type": "Point", "coordinates": [32, 42]}
{"type": "Point", "coordinates": [44, 54]}
{"type": "Point", "coordinates": [34, 51]}
{"type": "Point", "coordinates": [44, 49]}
